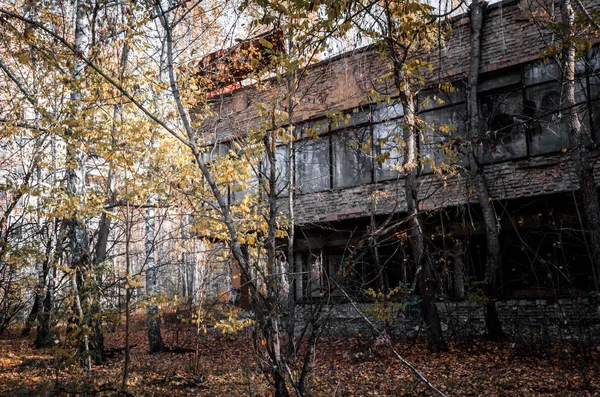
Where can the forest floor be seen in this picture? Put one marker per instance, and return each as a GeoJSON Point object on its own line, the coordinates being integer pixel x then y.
{"type": "Point", "coordinates": [342, 366]}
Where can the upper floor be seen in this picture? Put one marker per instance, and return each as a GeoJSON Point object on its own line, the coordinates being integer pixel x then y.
{"type": "Point", "coordinates": [523, 142]}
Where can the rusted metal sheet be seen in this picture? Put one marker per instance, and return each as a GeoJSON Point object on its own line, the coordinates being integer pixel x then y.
{"type": "Point", "coordinates": [223, 70]}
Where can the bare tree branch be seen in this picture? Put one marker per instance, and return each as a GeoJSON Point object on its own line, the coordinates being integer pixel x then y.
{"type": "Point", "coordinates": [97, 69]}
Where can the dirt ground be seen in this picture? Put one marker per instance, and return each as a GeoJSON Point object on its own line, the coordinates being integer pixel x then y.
{"type": "Point", "coordinates": [341, 367]}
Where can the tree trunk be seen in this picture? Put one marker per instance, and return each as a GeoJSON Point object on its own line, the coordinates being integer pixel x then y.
{"type": "Point", "coordinates": [273, 281]}
{"type": "Point", "coordinates": [155, 342]}
{"type": "Point", "coordinates": [492, 265]}
{"type": "Point", "coordinates": [79, 252]}
{"type": "Point", "coordinates": [95, 317]}
{"type": "Point", "coordinates": [581, 139]}
{"type": "Point", "coordinates": [38, 298]}
{"type": "Point", "coordinates": [427, 283]}
{"type": "Point", "coordinates": [45, 324]}
{"type": "Point", "coordinates": [45, 314]}
{"type": "Point", "coordinates": [127, 298]}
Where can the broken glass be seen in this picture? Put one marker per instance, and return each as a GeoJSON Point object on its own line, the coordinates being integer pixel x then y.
{"type": "Point", "coordinates": [387, 149]}
{"type": "Point", "coordinates": [441, 138]}
{"type": "Point", "coordinates": [312, 165]}
{"type": "Point", "coordinates": [502, 127]}
{"type": "Point", "coordinates": [351, 162]}
{"type": "Point", "coordinates": [547, 128]}
{"type": "Point", "coordinates": [387, 111]}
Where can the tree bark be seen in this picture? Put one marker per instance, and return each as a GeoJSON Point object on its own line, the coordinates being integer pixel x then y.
{"type": "Point", "coordinates": [581, 143]}
{"type": "Point", "coordinates": [493, 262]}
{"type": "Point", "coordinates": [155, 342]}
{"type": "Point", "coordinates": [427, 283]}
{"type": "Point", "coordinates": [45, 317]}
{"type": "Point", "coordinates": [79, 252]}
{"type": "Point", "coordinates": [127, 298]}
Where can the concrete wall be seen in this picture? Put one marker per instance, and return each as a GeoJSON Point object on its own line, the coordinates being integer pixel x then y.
{"type": "Point", "coordinates": [541, 319]}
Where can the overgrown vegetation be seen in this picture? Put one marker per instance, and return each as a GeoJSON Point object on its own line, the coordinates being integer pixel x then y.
{"type": "Point", "coordinates": [133, 181]}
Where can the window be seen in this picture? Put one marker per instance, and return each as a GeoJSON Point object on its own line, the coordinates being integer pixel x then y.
{"type": "Point", "coordinates": [441, 127]}
{"type": "Point", "coordinates": [351, 164]}
{"type": "Point", "coordinates": [387, 149]}
{"type": "Point", "coordinates": [502, 118]}
{"type": "Point", "coordinates": [250, 184]}
{"type": "Point", "coordinates": [594, 82]}
{"type": "Point", "coordinates": [595, 108]}
{"type": "Point", "coordinates": [312, 165]}
{"type": "Point", "coordinates": [386, 112]}
{"type": "Point", "coordinates": [282, 167]}
{"type": "Point", "coordinates": [541, 72]}
{"type": "Point", "coordinates": [351, 119]}
{"type": "Point", "coordinates": [497, 81]}
{"type": "Point", "coordinates": [215, 151]}
{"type": "Point", "coordinates": [547, 129]}
{"type": "Point", "coordinates": [436, 98]}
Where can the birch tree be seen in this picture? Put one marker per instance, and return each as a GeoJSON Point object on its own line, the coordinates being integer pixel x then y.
{"type": "Point", "coordinates": [492, 226]}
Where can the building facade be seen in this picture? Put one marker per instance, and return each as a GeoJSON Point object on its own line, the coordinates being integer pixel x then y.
{"type": "Point", "coordinates": [348, 175]}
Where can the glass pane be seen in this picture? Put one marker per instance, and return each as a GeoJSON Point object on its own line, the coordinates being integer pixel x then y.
{"type": "Point", "coordinates": [385, 112]}
{"type": "Point", "coordinates": [442, 126]}
{"type": "Point", "coordinates": [548, 127]}
{"type": "Point", "coordinates": [250, 185]}
{"type": "Point", "coordinates": [387, 149]}
{"type": "Point", "coordinates": [436, 98]}
{"type": "Point", "coordinates": [502, 124]}
{"type": "Point", "coordinates": [495, 81]}
{"type": "Point", "coordinates": [215, 151]}
{"type": "Point", "coordinates": [283, 169]}
{"type": "Point", "coordinates": [594, 58]}
{"type": "Point", "coordinates": [351, 163]}
{"type": "Point", "coordinates": [541, 72]}
{"type": "Point", "coordinates": [312, 165]}
{"type": "Point", "coordinates": [314, 128]}
{"type": "Point", "coordinates": [351, 119]}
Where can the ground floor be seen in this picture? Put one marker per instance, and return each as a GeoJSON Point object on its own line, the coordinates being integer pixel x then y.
{"type": "Point", "coordinates": [544, 252]}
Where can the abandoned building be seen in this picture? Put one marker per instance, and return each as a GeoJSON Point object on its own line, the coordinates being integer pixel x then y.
{"type": "Point", "coordinates": [344, 186]}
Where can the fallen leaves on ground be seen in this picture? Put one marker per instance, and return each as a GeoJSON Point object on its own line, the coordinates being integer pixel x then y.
{"type": "Point", "coordinates": [341, 367]}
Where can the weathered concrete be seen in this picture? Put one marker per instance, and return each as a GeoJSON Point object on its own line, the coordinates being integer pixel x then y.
{"type": "Point", "coordinates": [562, 319]}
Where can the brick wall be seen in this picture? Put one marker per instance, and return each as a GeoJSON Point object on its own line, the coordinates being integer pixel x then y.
{"type": "Point", "coordinates": [535, 176]}
{"type": "Point", "coordinates": [523, 320]}
{"type": "Point", "coordinates": [510, 38]}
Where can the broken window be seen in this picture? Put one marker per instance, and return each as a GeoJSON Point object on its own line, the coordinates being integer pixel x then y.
{"type": "Point", "coordinates": [594, 91]}
{"type": "Point", "coordinates": [282, 167]}
{"type": "Point", "coordinates": [502, 134]}
{"type": "Point", "coordinates": [387, 111]}
{"type": "Point", "coordinates": [351, 164]}
{"type": "Point", "coordinates": [436, 98]}
{"type": "Point", "coordinates": [215, 151]}
{"type": "Point", "coordinates": [356, 117]}
{"type": "Point", "coordinates": [249, 170]}
{"type": "Point", "coordinates": [499, 81]}
{"type": "Point", "coordinates": [282, 170]}
{"type": "Point", "coordinates": [250, 184]}
{"type": "Point", "coordinates": [541, 72]}
{"type": "Point", "coordinates": [387, 149]}
{"type": "Point", "coordinates": [212, 154]}
{"type": "Point", "coordinates": [439, 144]}
{"type": "Point", "coordinates": [312, 165]}
{"type": "Point", "coordinates": [547, 129]}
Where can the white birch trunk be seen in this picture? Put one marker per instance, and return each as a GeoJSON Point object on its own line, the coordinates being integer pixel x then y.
{"type": "Point", "coordinates": [78, 238]}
